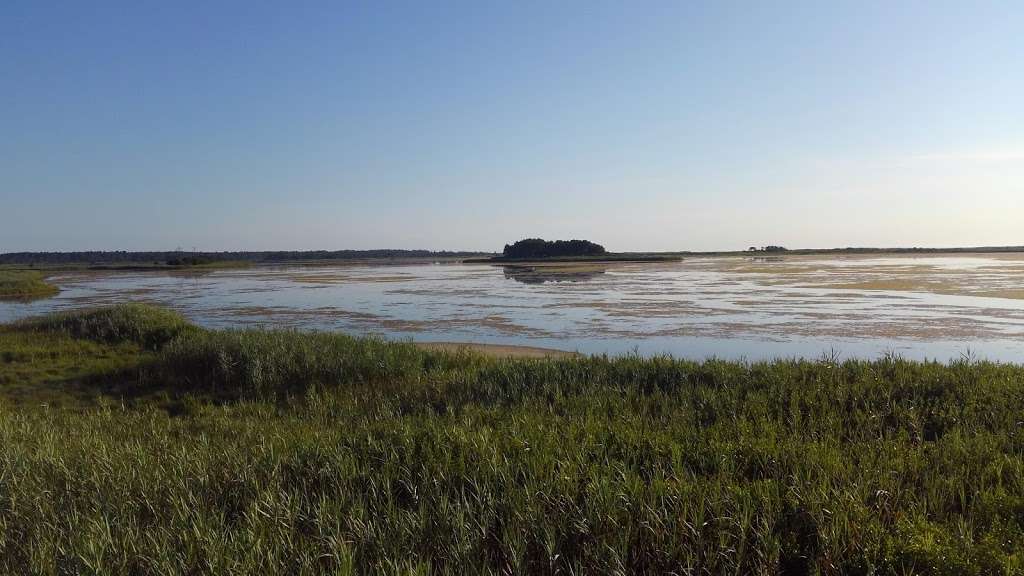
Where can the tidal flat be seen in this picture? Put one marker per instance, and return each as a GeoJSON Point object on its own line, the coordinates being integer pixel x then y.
{"type": "Point", "coordinates": [921, 306]}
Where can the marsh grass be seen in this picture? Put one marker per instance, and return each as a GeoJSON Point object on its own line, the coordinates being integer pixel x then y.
{"type": "Point", "coordinates": [57, 370]}
{"type": "Point", "coordinates": [24, 285]}
{"type": "Point", "coordinates": [147, 326]}
{"type": "Point", "coordinates": [303, 453]}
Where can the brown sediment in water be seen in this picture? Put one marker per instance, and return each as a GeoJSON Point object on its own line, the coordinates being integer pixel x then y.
{"type": "Point", "coordinates": [998, 278]}
{"type": "Point", "coordinates": [932, 287]}
{"type": "Point", "coordinates": [908, 285]}
{"type": "Point", "coordinates": [497, 323]}
{"type": "Point", "coordinates": [436, 291]}
{"type": "Point", "coordinates": [806, 297]}
{"type": "Point", "coordinates": [338, 278]}
{"type": "Point", "coordinates": [1012, 294]}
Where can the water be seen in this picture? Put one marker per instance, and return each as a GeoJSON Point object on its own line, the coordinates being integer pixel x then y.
{"type": "Point", "coordinates": [919, 307]}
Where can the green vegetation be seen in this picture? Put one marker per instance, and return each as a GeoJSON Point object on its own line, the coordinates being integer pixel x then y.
{"type": "Point", "coordinates": [180, 257]}
{"type": "Point", "coordinates": [539, 248]}
{"type": "Point", "coordinates": [172, 264]}
{"type": "Point", "coordinates": [567, 251]}
{"type": "Point", "coordinates": [147, 326]}
{"type": "Point", "coordinates": [181, 450]}
{"type": "Point", "coordinates": [57, 370]}
{"type": "Point", "coordinates": [24, 284]}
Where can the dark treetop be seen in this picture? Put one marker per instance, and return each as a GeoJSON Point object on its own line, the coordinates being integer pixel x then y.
{"type": "Point", "coordinates": [538, 248]}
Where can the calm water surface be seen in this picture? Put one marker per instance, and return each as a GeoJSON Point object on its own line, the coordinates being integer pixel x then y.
{"type": "Point", "coordinates": [928, 307]}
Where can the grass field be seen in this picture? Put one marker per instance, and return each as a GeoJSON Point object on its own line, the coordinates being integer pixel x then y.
{"type": "Point", "coordinates": [24, 284]}
{"type": "Point", "coordinates": [132, 442]}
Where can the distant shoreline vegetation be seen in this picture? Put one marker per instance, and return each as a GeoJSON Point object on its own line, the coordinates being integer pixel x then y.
{"type": "Point", "coordinates": [218, 259]}
{"type": "Point", "coordinates": [184, 258]}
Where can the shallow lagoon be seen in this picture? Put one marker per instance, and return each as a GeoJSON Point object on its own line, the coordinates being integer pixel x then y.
{"type": "Point", "coordinates": [938, 307]}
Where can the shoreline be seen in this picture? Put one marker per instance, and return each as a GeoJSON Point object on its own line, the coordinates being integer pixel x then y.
{"type": "Point", "coordinates": [498, 350]}
{"type": "Point", "coordinates": [614, 258]}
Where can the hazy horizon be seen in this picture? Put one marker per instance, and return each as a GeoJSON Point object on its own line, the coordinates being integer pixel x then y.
{"type": "Point", "coordinates": [653, 127]}
{"type": "Point", "coordinates": [196, 249]}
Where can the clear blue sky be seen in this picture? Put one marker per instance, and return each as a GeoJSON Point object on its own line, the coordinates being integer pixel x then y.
{"type": "Point", "coordinates": [641, 125]}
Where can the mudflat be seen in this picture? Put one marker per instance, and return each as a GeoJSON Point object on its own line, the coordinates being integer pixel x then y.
{"type": "Point", "coordinates": [740, 307]}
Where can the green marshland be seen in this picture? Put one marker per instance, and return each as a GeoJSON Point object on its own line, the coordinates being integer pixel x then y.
{"type": "Point", "coordinates": [132, 442]}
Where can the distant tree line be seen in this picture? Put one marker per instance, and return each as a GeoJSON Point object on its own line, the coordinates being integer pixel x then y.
{"type": "Point", "coordinates": [192, 258]}
{"type": "Point", "coordinates": [539, 248]}
{"type": "Point", "coordinates": [190, 261]}
{"type": "Point", "coordinates": [768, 249]}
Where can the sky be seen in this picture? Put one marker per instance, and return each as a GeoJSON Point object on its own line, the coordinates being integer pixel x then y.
{"type": "Point", "coordinates": [464, 125]}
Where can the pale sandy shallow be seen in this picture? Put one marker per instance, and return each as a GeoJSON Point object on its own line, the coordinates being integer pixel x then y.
{"type": "Point", "coordinates": [498, 350]}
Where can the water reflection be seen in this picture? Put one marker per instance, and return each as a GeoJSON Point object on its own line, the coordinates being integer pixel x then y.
{"type": "Point", "coordinates": [935, 307]}
{"type": "Point", "coordinates": [544, 274]}
{"type": "Point", "coordinates": [764, 259]}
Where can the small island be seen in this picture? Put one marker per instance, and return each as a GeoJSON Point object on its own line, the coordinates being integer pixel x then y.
{"type": "Point", "coordinates": [540, 250]}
